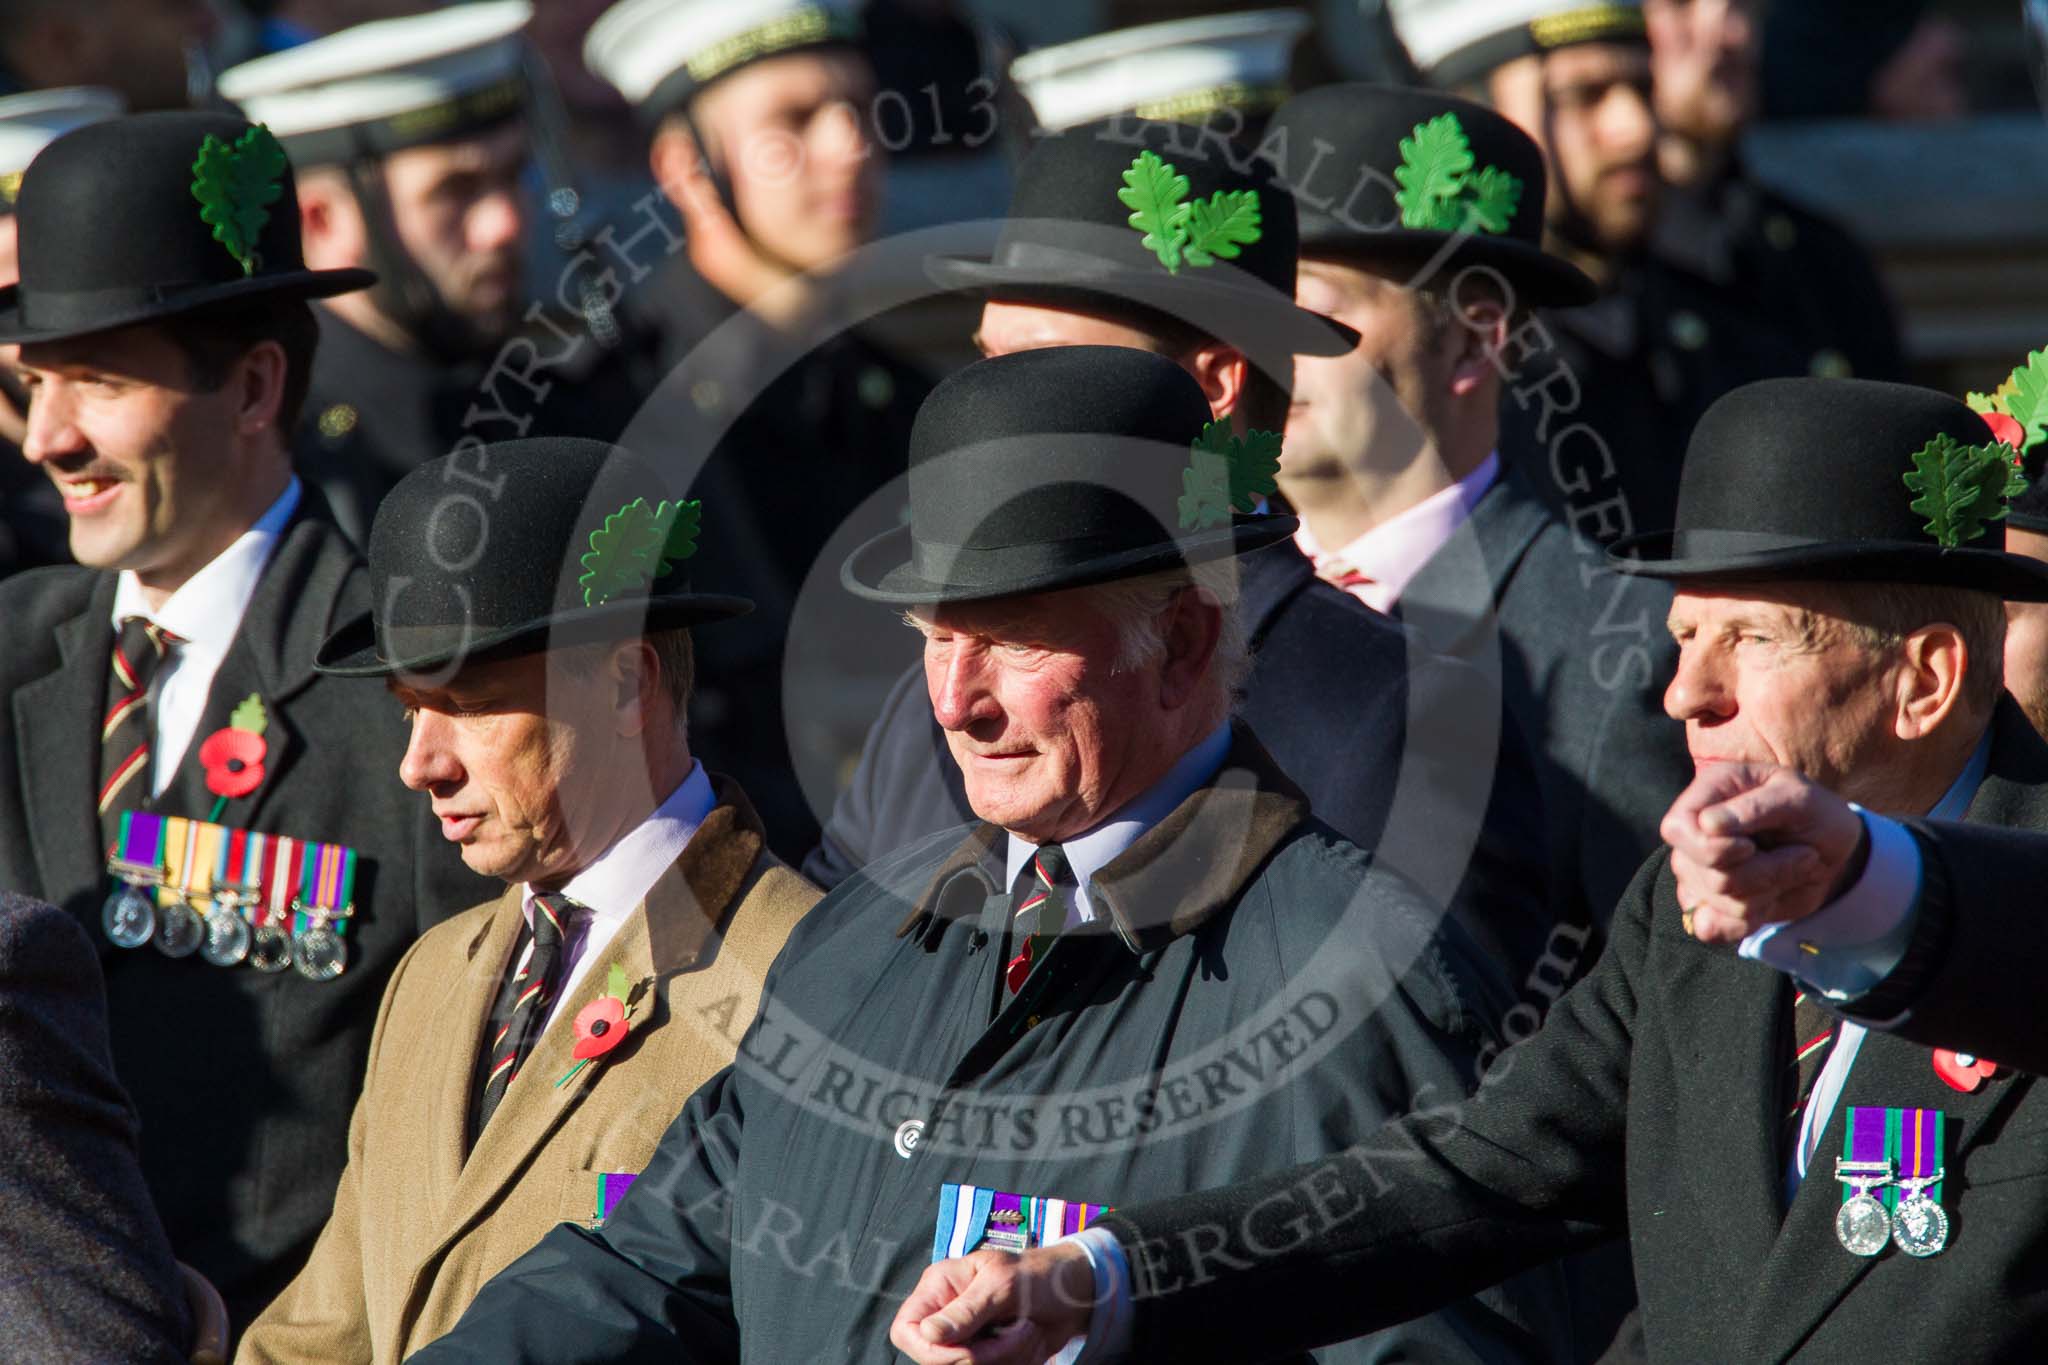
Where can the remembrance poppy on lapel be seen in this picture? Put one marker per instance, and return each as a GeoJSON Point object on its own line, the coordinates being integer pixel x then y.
{"type": "Point", "coordinates": [1961, 1070]}
{"type": "Point", "coordinates": [602, 1024]}
{"type": "Point", "coordinates": [233, 755]}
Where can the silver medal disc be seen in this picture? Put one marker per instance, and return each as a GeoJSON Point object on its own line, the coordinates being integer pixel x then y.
{"type": "Point", "coordinates": [1921, 1226]}
{"type": "Point", "coordinates": [180, 931]}
{"type": "Point", "coordinates": [319, 954]}
{"type": "Point", "coordinates": [270, 949]}
{"type": "Point", "coordinates": [129, 917]}
{"type": "Point", "coordinates": [1862, 1226]}
{"type": "Point", "coordinates": [227, 937]}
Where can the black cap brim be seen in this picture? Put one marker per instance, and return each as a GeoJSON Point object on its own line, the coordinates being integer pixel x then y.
{"type": "Point", "coordinates": [1707, 557]}
{"type": "Point", "coordinates": [296, 284]}
{"type": "Point", "coordinates": [881, 570]}
{"type": "Point", "coordinates": [1253, 320]}
{"type": "Point", "coordinates": [354, 650]}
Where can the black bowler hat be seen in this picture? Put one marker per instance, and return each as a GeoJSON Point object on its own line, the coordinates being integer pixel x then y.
{"type": "Point", "coordinates": [1060, 468]}
{"type": "Point", "coordinates": [1069, 238]}
{"type": "Point", "coordinates": [154, 216]}
{"type": "Point", "coordinates": [522, 547]}
{"type": "Point", "coordinates": [1808, 479]}
{"type": "Point", "coordinates": [1402, 176]}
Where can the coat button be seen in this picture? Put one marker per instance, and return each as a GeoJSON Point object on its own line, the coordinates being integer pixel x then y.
{"type": "Point", "coordinates": [908, 1134]}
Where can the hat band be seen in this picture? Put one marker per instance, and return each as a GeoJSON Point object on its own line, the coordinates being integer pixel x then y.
{"type": "Point", "coordinates": [807, 28]}
{"type": "Point", "coordinates": [1600, 23]}
{"type": "Point", "coordinates": [1246, 99]}
{"type": "Point", "coordinates": [1714, 544]}
{"type": "Point", "coordinates": [1067, 266]}
{"type": "Point", "coordinates": [67, 310]}
{"type": "Point", "coordinates": [983, 566]}
{"type": "Point", "coordinates": [469, 113]}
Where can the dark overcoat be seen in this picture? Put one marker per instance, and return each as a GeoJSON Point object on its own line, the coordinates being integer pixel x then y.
{"type": "Point", "coordinates": [1648, 1107]}
{"type": "Point", "coordinates": [244, 1080]}
{"type": "Point", "coordinates": [85, 1270]}
{"type": "Point", "coordinates": [1376, 729]}
{"type": "Point", "coordinates": [1195, 1039]}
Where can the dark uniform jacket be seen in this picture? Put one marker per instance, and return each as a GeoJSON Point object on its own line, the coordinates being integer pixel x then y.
{"type": "Point", "coordinates": [244, 1080]}
{"type": "Point", "coordinates": [1259, 992]}
{"type": "Point", "coordinates": [373, 415]}
{"type": "Point", "coordinates": [1648, 1106]}
{"type": "Point", "coordinates": [85, 1270]}
{"type": "Point", "coordinates": [786, 441]}
{"type": "Point", "coordinates": [1774, 261]}
{"type": "Point", "coordinates": [1583, 657]}
{"type": "Point", "coordinates": [1374, 728]}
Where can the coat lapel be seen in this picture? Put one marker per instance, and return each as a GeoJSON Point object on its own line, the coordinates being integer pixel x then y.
{"type": "Point", "coordinates": [676, 929]}
{"type": "Point", "coordinates": [458, 1033]}
{"type": "Point", "coordinates": [57, 721]}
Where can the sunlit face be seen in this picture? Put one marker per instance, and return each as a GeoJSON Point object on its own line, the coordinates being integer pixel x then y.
{"type": "Point", "coordinates": [791, 135]}
{"type": "Point", "coordinates": [1765, 677]}
{"type": "Point", "coordinates": [1704, 57]}
{"type": "Point", "coordinates": [144, 459]}
{"type": "Point", "coordinates": [460, 216]}
{"type": "Point", "coordinates": [1364, 409]}
{"type": "Point", "coordinates": [1051, 737]}
{"type": "Point", "coordinates": [518, 777]}
{"type": "Point", "coordinates": [1588, 106]}
{"type": "Point", "coordinates": [2026, 637]}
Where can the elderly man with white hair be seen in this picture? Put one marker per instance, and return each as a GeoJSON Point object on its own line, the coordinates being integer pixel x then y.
{"type": "Point", "coordinates": [1150, 968]}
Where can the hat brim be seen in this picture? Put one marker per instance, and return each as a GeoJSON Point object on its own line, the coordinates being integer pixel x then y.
{"type": "Point", "coordinates": [1694, 555]}
{"type": "Point", "coordinates": [1224, 310]}
{"type": "Point", "coordinates": [297, 284]}
{"type": "Point", "coordinates": [1540, 279]}
{"type": "Point", "coordinates": [354, 651]}
{"type": "Point", "coordinates": [881, 570]}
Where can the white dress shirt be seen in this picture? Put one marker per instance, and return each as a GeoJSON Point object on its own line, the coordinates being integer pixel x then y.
{"type": "Point", "coordinates": [612, 887]}
{"type": "Point", "coordinates": [204, 613]}
{"type": "Point", "coordinates": [1393, 552]}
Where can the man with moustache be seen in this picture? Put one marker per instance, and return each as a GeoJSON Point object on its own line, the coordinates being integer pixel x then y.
{"type": "Point", "coordinates": [1374, 727]}
{"type": "Point", "coordinates": [1768, 257]}
{"type": "Point", "coordinates": [1600, 397]}
{"type": "Point", "coordinates": [170, 674]}
{"type": "Point", "coordinates": [412, 136]}
{"type": "Point", "coordinates": [1836, 613]}
{"type": "Point", "coordinates": [774, 401]}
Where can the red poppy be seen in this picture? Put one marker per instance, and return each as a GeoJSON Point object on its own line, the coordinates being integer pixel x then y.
{"type": "Point", "coordinates": [233, 760]}
{"type": "Point", "coordinates": [2005, 429]}
{"type": "Point", "coordinates": [1961, 1070]}
{"type": "Point", "coordinates": [601, 1026]}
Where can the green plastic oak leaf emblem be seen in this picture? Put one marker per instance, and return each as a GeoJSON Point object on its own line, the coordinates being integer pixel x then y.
{"type": "Point", "coordinates": [615, 984]}
{"type": "Point", "coordinates": [1962, 488]}
{"type": "Point", "coordinates": [1180, 231]}
{"type": "Point", "coordinates": [637, 545]}
{"type": "Point", "coordinates": [1226, 474]}
{"type": "Point", "coordinates": [1441, 188]}
{"type": "Point", "coordinates": [2022, 397]}
{"type": "Point", "coordinates": [249, 715]}
{"type": "Point", "coordinates": [235, 186]}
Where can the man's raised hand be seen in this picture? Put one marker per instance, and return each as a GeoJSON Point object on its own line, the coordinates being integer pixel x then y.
{"type": "Point", "coordinates": [1753, 844]}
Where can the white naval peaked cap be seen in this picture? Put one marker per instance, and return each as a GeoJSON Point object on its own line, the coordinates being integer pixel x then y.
{"type": "Point", "coordinates": [32, 121]}
{"type": "Point", "coordinates": [658, 53]}
{"type": "Point", "coordinates": [394, 83]}
{"type": "Point", "coordinates": [1177, 70]}
{"type": "Point", "coordinates": [1453, 41]}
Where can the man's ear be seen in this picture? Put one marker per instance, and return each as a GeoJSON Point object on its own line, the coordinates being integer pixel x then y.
{"type": "Point", "coordinates": [1223, 372]}
{"type": "Point", "coordinates": [1192, 634]}
{"type": "Point", "coordinates": [634, 674]}
{"type": "Point", "coordinates": [331, 223]}
{"type": "Point", "coordinates": [1930, 689]}
{"type": "Point", "coordinates": [1478, 333]}
{"type": "Point", "coordinates": [258, 382]}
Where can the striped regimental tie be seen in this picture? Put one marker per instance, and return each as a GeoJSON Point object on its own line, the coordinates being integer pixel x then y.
{"type": "Point", "coordinates": [1813, 1035]}
{"type": "Point", "coordinates": [139, 650]}
{"type": "Point", "coordinates": [1038, 911]}
{"type": "Point", "coordinates": [521, 1010]}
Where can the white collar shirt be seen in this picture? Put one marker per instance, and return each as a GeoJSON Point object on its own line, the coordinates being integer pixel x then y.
{"type": "Point", "coordinates": [1393, 552]}
{"type": "Point", "coordinates": [205, 613]}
